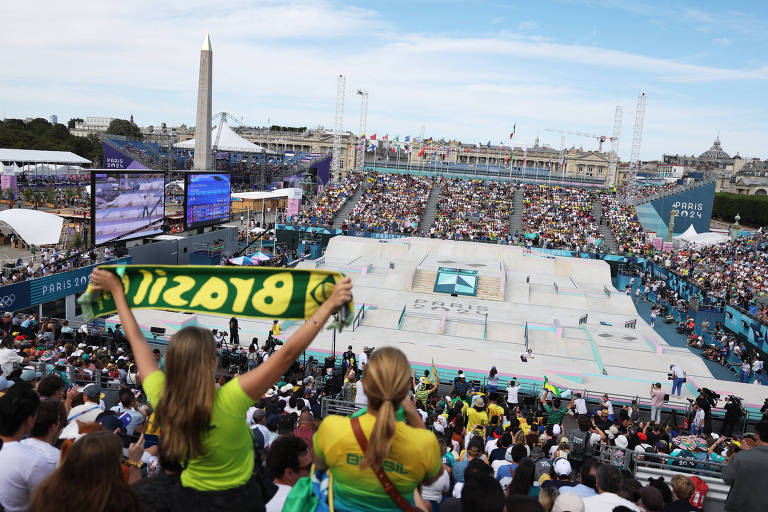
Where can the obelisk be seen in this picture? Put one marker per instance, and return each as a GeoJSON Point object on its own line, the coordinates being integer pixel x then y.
{"type": "Point", "coordinates": [203, 153]}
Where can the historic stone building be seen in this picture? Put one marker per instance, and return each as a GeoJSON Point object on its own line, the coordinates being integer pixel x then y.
{"type": "Point", "coordinates": [715, 158]}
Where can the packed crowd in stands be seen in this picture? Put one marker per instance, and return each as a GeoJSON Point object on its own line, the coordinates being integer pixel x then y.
{"type": "Point", "coordinates": [321, 210]}
{"type": "Point", "coordinates": [644, 191]}
{"type": "Point", "coordinates": [66, 447]}
{"type": "Point", "coordinates": [390, 202]}
{"type": "Point", "coordinates": [473, 210]}
{"type": "Point", "coordinates": [561, 217]}
{"type": "Point", "coordinates": [625, 226]}
{"type": "Point", "coordinates": [53, 261]}
{"type": "Point", "coordinates": [734, 271]}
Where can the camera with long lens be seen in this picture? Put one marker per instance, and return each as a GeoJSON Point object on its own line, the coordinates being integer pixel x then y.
{"type": "Point", "coordinates": [371, 349]}
{"type": "Point", "coordinates": [733, 399]}
{"type": "Point", "coordinates": [710, 396]}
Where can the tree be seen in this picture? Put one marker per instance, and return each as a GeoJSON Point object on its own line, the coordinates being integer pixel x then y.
{"type": "Point", "coordinates": [124, 128]}
{"type": "Point", "coordinates": [72, 122]}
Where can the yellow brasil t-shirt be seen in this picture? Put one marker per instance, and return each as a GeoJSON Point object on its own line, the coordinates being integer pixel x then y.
{"type": "Point", "coordinates": [228, 458]}
{"type": "Point", "coordinates": [415, 455]}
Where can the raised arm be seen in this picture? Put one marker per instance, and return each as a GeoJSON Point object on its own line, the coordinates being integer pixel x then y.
{"type": "Point", "coordinates": [256, 382]}
{"type": "Point", "coordinates": [108, 281]}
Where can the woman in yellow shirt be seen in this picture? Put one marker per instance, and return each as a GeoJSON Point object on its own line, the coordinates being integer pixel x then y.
{"type": "Point", "coordinates": [202, 427]}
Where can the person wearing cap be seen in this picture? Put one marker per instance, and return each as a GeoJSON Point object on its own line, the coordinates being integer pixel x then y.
{"type": "Point", "coordinates": [678, 377]}
{"type": "Point", "coordinates": [562, 469]}
{"type": "Point", "coordinates": [363, 358]}
{"type": "Point", "coordinates": [568, 502]}
{"type": "Point", "coordinates": [460, 385]}
{"type": "Point", "coordinates": [89, 410]}
{"type": "Point", "coordinates": [476, 415]}
{"type": "Point", "coordinates": [348, 359]}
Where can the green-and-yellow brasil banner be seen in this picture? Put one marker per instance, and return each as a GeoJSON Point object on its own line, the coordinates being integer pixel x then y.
{"type": "Point", "coordinates": [251, 292]}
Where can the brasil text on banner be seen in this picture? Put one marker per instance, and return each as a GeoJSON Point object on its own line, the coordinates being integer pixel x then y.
{"type": "Point", "coordinates": [251, 292]}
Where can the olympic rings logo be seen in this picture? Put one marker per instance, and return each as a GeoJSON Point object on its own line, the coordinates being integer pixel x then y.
{"type": "Point", "coordinates": [7, 300]}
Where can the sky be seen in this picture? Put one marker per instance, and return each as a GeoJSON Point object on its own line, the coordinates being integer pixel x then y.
{"type": "Point", "coordinates": [463, 70]}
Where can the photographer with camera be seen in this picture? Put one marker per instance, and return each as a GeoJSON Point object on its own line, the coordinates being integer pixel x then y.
{"type": "Point", "coordinates": [733, 412]}
{"type": "Point", "coordinates": [677, 376]}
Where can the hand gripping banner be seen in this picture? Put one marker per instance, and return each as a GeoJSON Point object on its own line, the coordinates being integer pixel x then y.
{"type": "Point", "coordinates": [250, 292]}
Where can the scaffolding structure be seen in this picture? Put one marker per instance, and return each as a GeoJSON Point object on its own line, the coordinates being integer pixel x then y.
{"type": "Point", "coordinates": [339, 126]}
{"type": "Point", "coordinates": [613, 163]}
{"type": "Point", "coordinates": [362, 142]}
{"type": "Point", "coordinates": [637, 137]}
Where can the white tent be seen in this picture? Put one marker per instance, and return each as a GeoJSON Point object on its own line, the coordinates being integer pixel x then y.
{"type": "Point", "coordinates": [704, 239]}
{"type": "Point", "coordinates": [225, 139]}
{"type": "Point", "coordinates": [33, 226]}
{"type": "Point", "coordinates": [687, 236]}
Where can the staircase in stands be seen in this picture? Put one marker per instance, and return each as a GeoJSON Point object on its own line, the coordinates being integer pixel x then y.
{"type": "Point", "coordinates": [607, 235]}
{"type": "Point", "coordinates": [430, 210]}
{"type": "Point", "coordinates": [516, 219]}
{"type": "Point", "coordinates": [344, 211]}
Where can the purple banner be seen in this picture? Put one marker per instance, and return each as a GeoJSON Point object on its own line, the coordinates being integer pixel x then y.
{"type": "Point", "coordinates": [114, 159]}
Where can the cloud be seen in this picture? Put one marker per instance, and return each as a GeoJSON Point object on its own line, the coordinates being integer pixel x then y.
{"type": "Point", "coordinates": [280, 60]}
{"type": "Point", "coordinates": [722, 41]}
{"type": "Point", "coordinates": [528, 25]}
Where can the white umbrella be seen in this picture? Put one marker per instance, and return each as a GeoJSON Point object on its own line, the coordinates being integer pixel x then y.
{"type": "Point", "coordinates": [257, 231]}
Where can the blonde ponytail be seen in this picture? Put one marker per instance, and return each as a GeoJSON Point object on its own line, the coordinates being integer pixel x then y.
{"type": "Point", "coordinates": [386, 382]}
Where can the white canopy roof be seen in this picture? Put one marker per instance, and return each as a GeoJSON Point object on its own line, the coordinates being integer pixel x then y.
{"type": "Point", "coordinates": [33, 226]}
{"type": "Point", "coordinates": [688, 235]}
{"type": "Point", "coordinates": [41, 157]}
{"type": "Point", "coordinates": [290, 193]}
{"type": "Point", "coordinates": [228, 140]}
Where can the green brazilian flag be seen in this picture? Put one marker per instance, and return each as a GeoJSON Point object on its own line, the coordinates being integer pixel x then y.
{"type": "Point", "coordinates": [249, 292]}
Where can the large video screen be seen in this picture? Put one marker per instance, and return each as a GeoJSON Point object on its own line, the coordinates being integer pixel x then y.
{"type": "Point", "coordinates": [126, 205]}
{"type": "Point", "coordinates": [207, 199]}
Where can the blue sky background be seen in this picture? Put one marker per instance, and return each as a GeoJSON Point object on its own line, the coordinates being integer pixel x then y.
{"type": "Point", "coordinates": [464, 70]}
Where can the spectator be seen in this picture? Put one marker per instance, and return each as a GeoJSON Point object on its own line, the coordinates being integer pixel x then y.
{"type": "Point", "coordinates": [482, 493]}
{"type": "Point", "coordinates": [159, 358]}
{"type": "Point", "coordinates": [410, 450]}
{"type": "Point", "coordinates": [129, 406]}
{"type": "Point", "coordinates": [306, 428]}
{"type": "Point", "coordinates": [219, 461]}
{"type": "Point", "coordinates": [682, 490]}
{"type": "Point", "coordinates": [568, 502]}
{"type": "Point", "coordinates": [587, 479]}
{"type": "Point", "coordinates": [9, 356]}
{"type": "Point", "coordinates": [50, 419]}
{"type": "Point", "coordinates": [657, 399]}
{"type": "Point", "coordinates": [21, 469]}
{"type": "Point", "coordinates": [474, 451]}
{"type": "Point", "coordinates": [155, 493]}
{"type": "Point", "coordinates": [547, 497]}
{"type": "Point", "coordinates": [678, 377]}
{"type": "Point", "coordinates": [562, 470]}
{"type": "Point", "coordinates": [86, 412]}
{"type": "Point", "coordinates": [747, 474]}
{"type": "Point", "coordinates": [89, 478]}
{"type": "Point", "coordinates": [555, 412]}
{"type": "Point", "coordinates": [288, 459]}
{"type": "Point", "coordinates": [518, 503]}
{"type": "Point", "coordinates": [608, 484]}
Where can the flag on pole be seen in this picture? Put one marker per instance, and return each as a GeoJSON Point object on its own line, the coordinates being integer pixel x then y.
{"type": "Point", "coordinates": [433, 376]}
{"type": "Point", "coordinates": [513, 130]}
{"type": "Point", "coordinates": [407, 138]}
{"type": "Point", "coordinates": [372, 148]}
{"type": "Point", "coordinates": [488, 145]}
{"type": "Point", "coordinates": [373, 137]}
{"type": "Point", "coordinates": [397, 138]}
{"type": "Point", "coordinates": [525, 154]}
{"type": "Point", "coordinates": [562, 163]}
{"type": "Point", "coordinates": [421, 153]}
{"type": "Point", "coordinates": [362, 136]}
{"type": "Point", "coordinates": [394, 149]}
{"type": "Point", "coordinates": [385, 137]}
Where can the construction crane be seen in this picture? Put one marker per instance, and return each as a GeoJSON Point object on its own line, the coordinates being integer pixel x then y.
{"type": "Point", "coordinates": [600, 138]}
